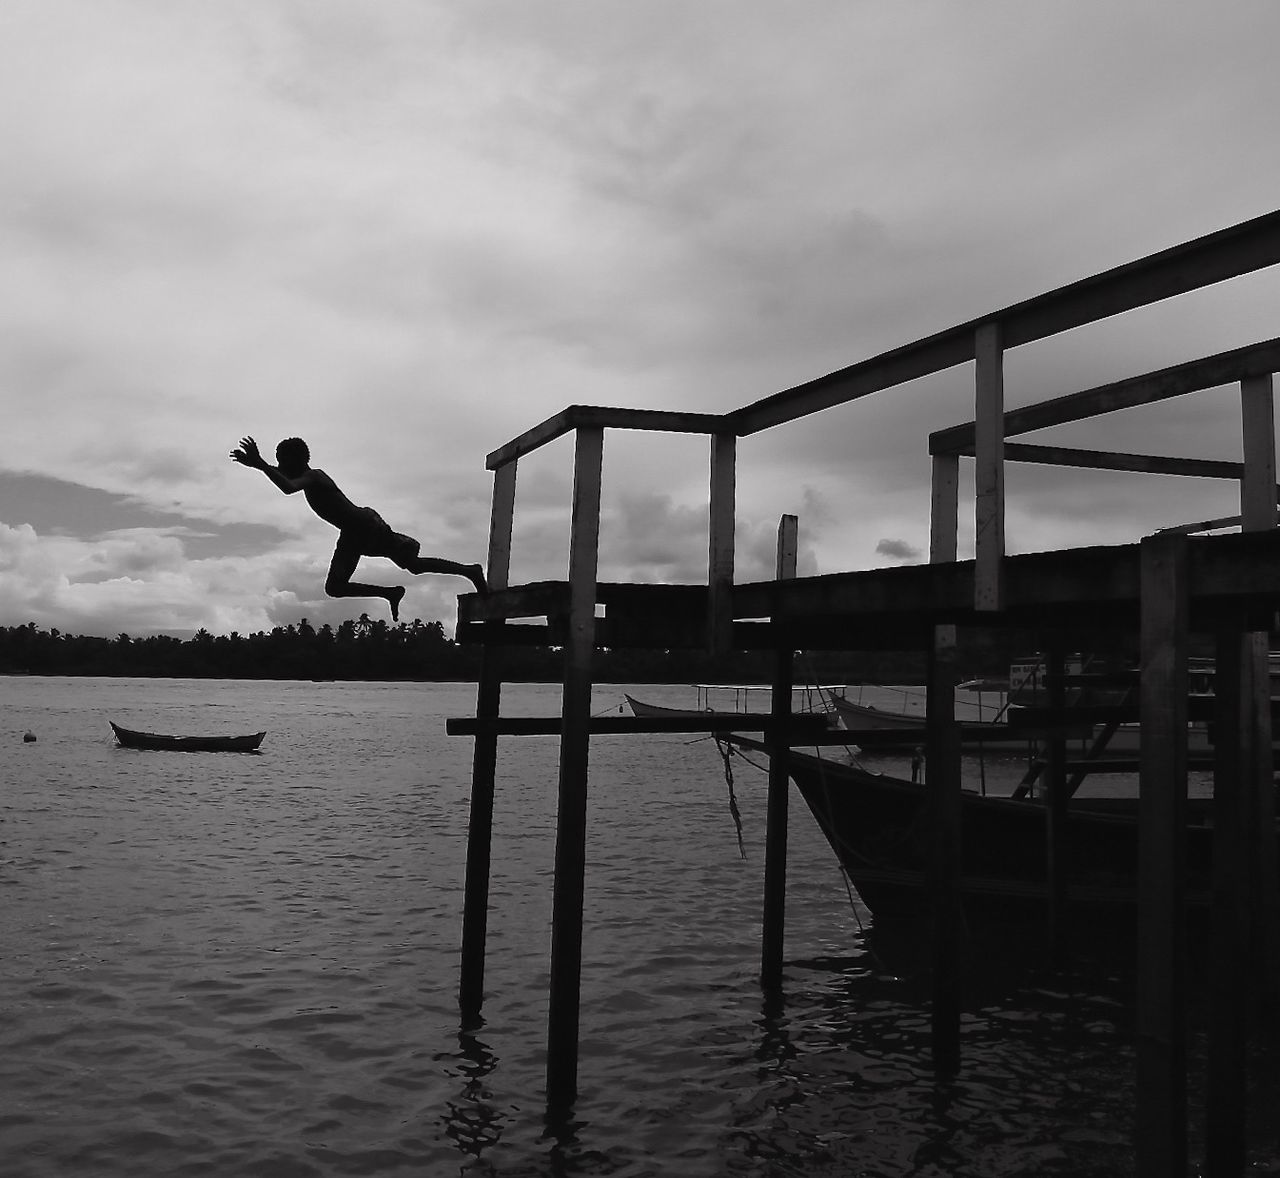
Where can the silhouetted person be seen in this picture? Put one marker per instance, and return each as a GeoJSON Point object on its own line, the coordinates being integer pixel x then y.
{"type": "Point", "coordinates": [362, 531]}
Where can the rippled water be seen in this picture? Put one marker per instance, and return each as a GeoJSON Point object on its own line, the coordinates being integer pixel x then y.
{"type": "Point", "coordinates": [247, 965]}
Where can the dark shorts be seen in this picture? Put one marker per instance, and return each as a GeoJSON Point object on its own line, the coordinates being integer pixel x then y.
{"type": "Point", "coordinates": [372, 536]}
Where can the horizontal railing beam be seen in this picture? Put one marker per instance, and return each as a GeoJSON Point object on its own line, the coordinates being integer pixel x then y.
{"type": "Point", "coordinates": [1228, 253]}
{"type": "Point", "coordinates": [813, 723]}
{"type": "Point", "coordinates": [1204, 468]}
{"type": "Point", "coordinates": [1176, 381]}
{"type": "Point", "coordinates": [604, 417]}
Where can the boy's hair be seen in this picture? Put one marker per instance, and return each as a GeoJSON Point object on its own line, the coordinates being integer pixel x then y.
{"type": "Point", "coordinates": [294, 452]}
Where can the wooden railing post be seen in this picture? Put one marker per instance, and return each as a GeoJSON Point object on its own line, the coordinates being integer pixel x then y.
{"type": "Point", "coordinates": [943, 789]}
{"type": "Point", "coordinates": [475, 912]}
{"type": "Point", "coordinates": [721, 543]}
{"type": "Point", "coordinates": [575, 740]}
{"type": "Point", "coordinates": [944, 508]}
{"type": "Point", "coordinates": [775, 851]}
{"type": "Point", "coordinates": [988, 587]}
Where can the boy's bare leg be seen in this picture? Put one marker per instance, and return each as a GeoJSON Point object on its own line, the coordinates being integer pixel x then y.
{"type": "Point", "coordinates": [391, 595]}
{"type": "Point", "coordinates": [340, 584]}
{"type": "Point", "coordinates": [435, 564]}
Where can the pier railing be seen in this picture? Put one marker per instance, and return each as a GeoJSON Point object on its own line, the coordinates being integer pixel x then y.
{"type": "Point", "coordinates": [1161, 590]}
{"type": "Point", "coordinates": [1240, 249]}
{"type": "Point", "coordinates": [588, 424]}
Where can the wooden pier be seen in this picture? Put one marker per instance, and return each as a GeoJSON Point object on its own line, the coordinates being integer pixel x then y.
{"type": "Point", "coordinates": [1151, 596]}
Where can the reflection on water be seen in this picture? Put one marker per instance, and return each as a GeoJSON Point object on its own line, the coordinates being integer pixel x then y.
{"type": "Point", "coordinates": [228, 965]}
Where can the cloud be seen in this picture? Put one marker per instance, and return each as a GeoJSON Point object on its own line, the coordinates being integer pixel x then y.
{"type": "Point", "coordinates": [897, 550]}
{"type": "Point", "coordinates": [410, 232]}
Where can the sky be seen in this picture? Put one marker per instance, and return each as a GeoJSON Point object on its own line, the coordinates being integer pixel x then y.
{"type": "Point", "coordinates": [409, 231]}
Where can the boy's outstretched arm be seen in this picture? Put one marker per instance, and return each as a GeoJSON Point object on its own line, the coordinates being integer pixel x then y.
{"type": "Point", "coordinates": [247, 454]}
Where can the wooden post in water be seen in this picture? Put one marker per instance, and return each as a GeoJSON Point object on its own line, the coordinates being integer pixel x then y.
{"type": "Point", "coordinates": [1226, 1100]}
{"type": "Point", "coordinates": [1244, 868]}
{"type": "Point", "coordinates": [1258, 513]}
{"type": "Point", "coordinates": [775, 851]}
{"type": "Point", "coordinates": [475, 911]}
{"type": "Point", "coordinates": [942, 778]}
{"type": "Point", "coordinates": [1056, 804]}
{"type": "Point", "coordinates": [575, 741]}
{"type": "Point", "coordinates": [1162, 790]}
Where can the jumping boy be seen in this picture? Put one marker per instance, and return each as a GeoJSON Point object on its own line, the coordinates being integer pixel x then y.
{"type": "Point", "coordinates": [361, 530]}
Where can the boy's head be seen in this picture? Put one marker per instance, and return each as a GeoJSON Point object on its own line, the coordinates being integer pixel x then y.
{"type": "Point", "coordinates": [292, 454]}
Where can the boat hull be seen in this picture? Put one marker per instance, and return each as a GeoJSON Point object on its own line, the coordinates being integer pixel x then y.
{"type": "Point", "coordinates": [878, 826]}
{"type": "Point", "coordinates": [132, 739]}
{"type": "Point", "coordinates": [857, 717]}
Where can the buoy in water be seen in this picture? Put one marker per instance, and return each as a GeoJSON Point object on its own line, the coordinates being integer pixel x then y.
{"type": "Point", "coordinates": [28, 736]}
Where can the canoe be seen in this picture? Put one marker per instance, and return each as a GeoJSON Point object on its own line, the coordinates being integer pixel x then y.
{"type": "Point", "coordinates": [992, 735]}
{"type": "Point", "coordinates": [878, 827]}
{"type": "Point", "coordinates": [131, 739]}
{"type": "Point", "coordinates": [660, 711]}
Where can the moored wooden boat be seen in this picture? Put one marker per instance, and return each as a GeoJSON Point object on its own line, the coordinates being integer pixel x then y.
{"type": "Point", "coordinates": [132, 739]}
{"type": "Point", "coordinates": [860, 717]}
{"type": "Point", "coordinates": [878, 827]}
{"type": "Point", "coordinates": [810, 699]}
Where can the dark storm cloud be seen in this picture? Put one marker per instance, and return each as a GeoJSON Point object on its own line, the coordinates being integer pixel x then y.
{"type": "Point", "coordinates": [57, 507]}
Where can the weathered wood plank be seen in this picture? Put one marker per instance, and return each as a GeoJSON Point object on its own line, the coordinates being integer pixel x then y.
{"type": "Point", "coordinates": [501, 521]}
{"type": "Point", "coordinates": [943, 778]}
{"type": "Point", "coordinates": [1162, 791]}
{"type": "Point", "coordinates": [808, 725]}
{"type": "Point", "coordinates": [720, 555]}
{"type": "Point", "coordinates": [773, 924]}
{"type": "Point", "coordinates": [575, 743]}
{"type": "Point", "coordinates": [1202, 468]}
{"type": "Point", "coordinates": [944, 508]}
{"type": "Point", "coordinates": [604, 417]}
{"type": "Point", "coordinates": [1226, 1098]}
{"type": "Point", "coordinates": [1258, 481]}
{"type": "Point", "coordinates": [1239, 249]}
{"type": "Point", "coordinates": [1174, 381]}
{"type": "Point", "coordinates": [988, 478]}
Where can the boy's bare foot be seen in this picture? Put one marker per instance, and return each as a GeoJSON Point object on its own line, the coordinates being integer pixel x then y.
{"type": "Point", "coordinates": [476, 573]}
{"type": "Point", "coordinates": [394, 597]}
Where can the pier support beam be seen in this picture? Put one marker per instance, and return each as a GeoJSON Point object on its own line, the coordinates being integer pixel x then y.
{"type": "Point", "coordinates": [475, 912]}
{"type": "Point", "coordinates": [942, 777]}
{"type": "Point", "coordinates": [1258, 514]}
{"type": "Point", "coordinates": [1162, 796]}
{"type": "Point", "coordinates": [1056, 810]}
{"type": "Point", "coordinates": [1226, 1099]}
{"type": "Point", "coordinates": [775, 851]}
{"type": "Point", "coordinates": [575, 742]}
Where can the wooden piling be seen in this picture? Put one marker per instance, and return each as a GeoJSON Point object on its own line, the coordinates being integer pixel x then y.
{"type": "Point", "coordinates": [1162, 790]}
{"type": "Point", "coordinates": [475, 912]}
{"type": "Point", "coordinates": [1056, 807]}
{"type": "Point", "coordinates": [575, 741]}
{"type": "Point", "coordinates": [1226, 1100]}
{"type": "Point", "coordinates": [942, 777]}
{"type": "Point", "coordinates": [773, 931]}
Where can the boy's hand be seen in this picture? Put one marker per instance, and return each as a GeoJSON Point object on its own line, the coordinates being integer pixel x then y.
{"type": "Point", "coordinates": [247, 454]}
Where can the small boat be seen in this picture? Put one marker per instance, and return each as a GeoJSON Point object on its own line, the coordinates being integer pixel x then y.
{"type": "Point", "coordinates": [130, 739]}
{"type": "Point", "coordinates": [878, 827]}
{"type": "Point", "coordinates": [807, 699]}
{"type": "Point", "coordinates": [910, 727]}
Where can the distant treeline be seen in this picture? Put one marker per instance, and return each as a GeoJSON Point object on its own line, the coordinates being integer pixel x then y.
{"type": "Point", "coordinates": [374, 650]}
